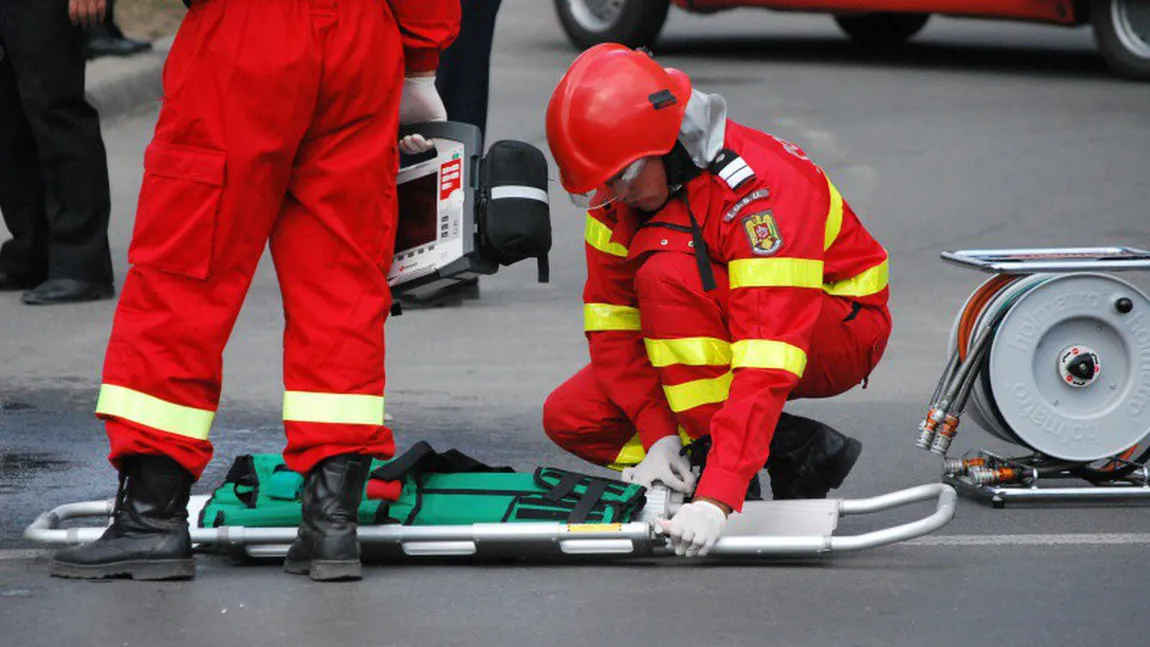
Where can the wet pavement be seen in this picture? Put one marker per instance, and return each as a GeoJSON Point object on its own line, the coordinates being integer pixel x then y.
{"type": "Point", "coordinates": [978, 135]}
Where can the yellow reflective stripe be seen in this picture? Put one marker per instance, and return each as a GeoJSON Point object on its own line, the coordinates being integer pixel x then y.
{"type": "Point", "coordinates": [149, 410]}
{"type": "Point", "coordinates": [604, 316]}
{"type": "Point", "coordinates": [629, 455]}
{"type": "Point", "coordinates": [776, 273]}
{"type": "Point", "coordinates": [834, 217]}
{"type": "Point", "coordinates": [689, 395]}
{"type": "Point", "coordinates": [334, 408]}
{"type": "Point", "coordinates": [693, 351]}
{"type": "Point", "coordinates": [862, 284]}
{"type": "Point", "coordinates": [768, 353]}
{"type": "Point", "coordinates": [599, 235]}
{"type": "Point", "coordinates": [632, 453]}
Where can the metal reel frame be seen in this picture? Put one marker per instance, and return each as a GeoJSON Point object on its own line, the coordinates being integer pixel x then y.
{"type": "Point", "coordinates": [1038, 478]}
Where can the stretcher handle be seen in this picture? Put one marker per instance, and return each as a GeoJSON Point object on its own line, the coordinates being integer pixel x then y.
{"type": "Point", "coordinates": [46, 528]}
{"type": "Point", "coordinates": [823, 544]}
{"type": "Point", "coordinates": [943, 513]}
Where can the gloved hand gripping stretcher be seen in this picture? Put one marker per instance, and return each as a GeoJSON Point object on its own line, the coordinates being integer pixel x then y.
{"type": "Point", "coordinates": [437, 505]}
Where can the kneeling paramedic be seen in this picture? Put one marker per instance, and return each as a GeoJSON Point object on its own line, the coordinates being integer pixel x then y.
{"type": "Point", "coordinates": [725, 276]}
{"type": "Point", "coordinates": [279, 122]}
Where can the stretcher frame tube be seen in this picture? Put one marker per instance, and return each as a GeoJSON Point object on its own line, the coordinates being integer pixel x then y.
{"type": "Point", "coordinates": [944, 512]}
{"type": "Point", "coordinates": [1002, 494]}
{"type": "Point", "coordinates": [635, 538]}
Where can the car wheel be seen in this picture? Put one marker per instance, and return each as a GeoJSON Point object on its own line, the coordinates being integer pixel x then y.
{"type": "Point", "coordinates": [1122, 30]}
{"type": "Point", "coordinates": [634, 23]}
{"type": "Point", "coordinates": [882, 29]}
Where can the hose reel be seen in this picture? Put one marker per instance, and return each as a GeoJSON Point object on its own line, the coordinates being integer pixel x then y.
{"type": "Point", "coordinates": [1057, 362]}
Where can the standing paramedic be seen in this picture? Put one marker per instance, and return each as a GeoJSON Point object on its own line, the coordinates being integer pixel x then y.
{"type": "Point", "coordinates": [726, 275]}
{"type": "Point", "coordinates": [279, 123]}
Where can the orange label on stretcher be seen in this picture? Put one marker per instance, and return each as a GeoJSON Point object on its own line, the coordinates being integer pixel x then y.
{"type": "Point", "coordinates": [594, 527]}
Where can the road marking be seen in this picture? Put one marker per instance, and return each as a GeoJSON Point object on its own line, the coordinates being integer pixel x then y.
{"type": "Point", "coordinates": [1128, 539]}
{"type": "Point", "coordinates": [23, 553]}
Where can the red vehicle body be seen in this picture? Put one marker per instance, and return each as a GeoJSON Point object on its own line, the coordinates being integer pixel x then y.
{"type": "Point", "coordinates": [1121, 27]}
{"type": "Point", "coordinates": [1054, 11]}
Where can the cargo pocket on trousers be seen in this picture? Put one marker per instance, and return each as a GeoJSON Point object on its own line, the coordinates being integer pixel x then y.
{"type": "Point", "coordinates": [178, 208]}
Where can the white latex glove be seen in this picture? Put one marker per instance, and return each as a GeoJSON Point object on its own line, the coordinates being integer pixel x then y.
{"type": "Point", "coordinates": [663, 463]}
{"type": "Point", "coordinates": [695, 528]}
{"type": "Point", "coordinates": [420, 102]}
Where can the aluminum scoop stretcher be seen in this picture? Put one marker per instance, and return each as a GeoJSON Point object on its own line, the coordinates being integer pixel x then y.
{"type": "Point", "coordinates": [764, 530]}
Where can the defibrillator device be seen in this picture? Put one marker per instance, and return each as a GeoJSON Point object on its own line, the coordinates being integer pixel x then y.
{"type": "Point", "coordinates": [463, 214]}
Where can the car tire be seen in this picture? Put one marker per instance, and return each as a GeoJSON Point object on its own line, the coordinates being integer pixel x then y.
{"type": "Point", "coordinates": [634, 23]}
{"type": "Point", "coordinates": [1122, 31]}
{"type": "Point", "coordinates": [879, 30]}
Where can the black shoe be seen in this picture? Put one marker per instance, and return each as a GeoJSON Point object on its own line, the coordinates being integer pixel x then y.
{"type": "Point", "coordinates": [67, 291]}
{"type": "Point", "coordinates": [16, 282]}
{"type": "Point", "coordinates": [148, 538]}
{"type": "Point", "coordinates": [327, 547]}
{"type": "Point", "coordinates": [808, 459]}
{"type": "Point", "coordinates": [696, 453]}
{"type": "Point", "coordinates": [110, 46]}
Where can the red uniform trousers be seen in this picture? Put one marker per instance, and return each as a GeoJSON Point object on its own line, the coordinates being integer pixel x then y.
{"type": "Point", "coordinates": [279, 122]}
{"type": "Point", "coordinates": [580, 417]}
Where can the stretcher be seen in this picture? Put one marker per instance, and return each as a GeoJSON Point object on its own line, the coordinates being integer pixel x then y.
{"type": "Point", "coordinates": [764, 530]}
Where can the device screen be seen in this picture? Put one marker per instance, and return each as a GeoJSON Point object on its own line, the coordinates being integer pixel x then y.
{"type": "Point", "coordinates": [418, 212]}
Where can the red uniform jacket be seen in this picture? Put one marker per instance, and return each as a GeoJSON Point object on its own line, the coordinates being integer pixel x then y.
{"type": "Point", "coordinates": [427, 28]}
{"type": "Point", "coordinates": [787, 240]}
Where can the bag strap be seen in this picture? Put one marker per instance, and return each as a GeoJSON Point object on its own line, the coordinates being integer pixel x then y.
{"type": "Point", "coordinates": [422, 458]}
{"type": "Point", "coordinates": [397, 468]}
{"type": "Point", "coordinates": [565, 487]}
{"type": "Point", "coordinates": [243, 474]}
{"type": "Point", "coordinates": [588, 501]}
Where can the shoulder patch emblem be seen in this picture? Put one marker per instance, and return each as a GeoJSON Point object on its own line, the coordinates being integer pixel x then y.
{"type": "Point", "coordinates": [759, 194]}
{"type": "Point", "coordinates": [762, 233]}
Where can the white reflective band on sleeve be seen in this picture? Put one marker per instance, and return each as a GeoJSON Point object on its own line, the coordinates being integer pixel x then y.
{"type": "Point", "coordinates": [148, 410]}
{"type": "Point", "coordinates": [333, 408]}
{"type": "Point", "coordinates": [524, 192]}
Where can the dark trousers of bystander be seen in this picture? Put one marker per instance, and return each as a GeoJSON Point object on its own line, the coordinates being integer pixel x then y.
{"type": "Point", "coordinates": [465, 67]}
{"type": "Point", "coordinates": [54, 191]}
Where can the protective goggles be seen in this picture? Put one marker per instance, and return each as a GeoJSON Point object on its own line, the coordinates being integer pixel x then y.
{"type": "Point", "coordinates": [616, 187]}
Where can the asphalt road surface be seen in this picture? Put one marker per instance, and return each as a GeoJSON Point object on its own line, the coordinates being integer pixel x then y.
{"type": "Point", "coordinates": [975, 135]}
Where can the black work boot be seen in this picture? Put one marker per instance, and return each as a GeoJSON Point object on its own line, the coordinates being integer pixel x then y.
{"type": "Point", "coordinates": [327, 547]}
{"type": "Point", "coordinates": [696, 453]}
{"type": "Point", "coordinates": [148, 538]}
{"type": "Point", "coordinates": [808, 458]}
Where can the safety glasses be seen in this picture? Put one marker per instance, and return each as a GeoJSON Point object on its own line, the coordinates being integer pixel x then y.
{"type": "Point", "coordinates": [616, 187]}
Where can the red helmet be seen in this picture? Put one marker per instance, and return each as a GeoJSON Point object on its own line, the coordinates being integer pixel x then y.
{"type": "Point", "coordinates": [612, 107]}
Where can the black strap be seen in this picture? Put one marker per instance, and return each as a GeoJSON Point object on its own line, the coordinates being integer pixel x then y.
{"type": "Point", "coordinates": [398, 468]}
{"type": "Point", "coordinates": [565, 487]}
{"type": "Point", "coordinates": [588, 501]}
{"type": "Point", "coordinates": [242, 473]}
{"type": "Point", "coordinates": [422, 457]}
{"type": "Point", "coordinates": [544, 265]}
{"type": "Point", "coordinates": [702, 258]}
{"type": "Point", "coordinates": [855, 307]}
